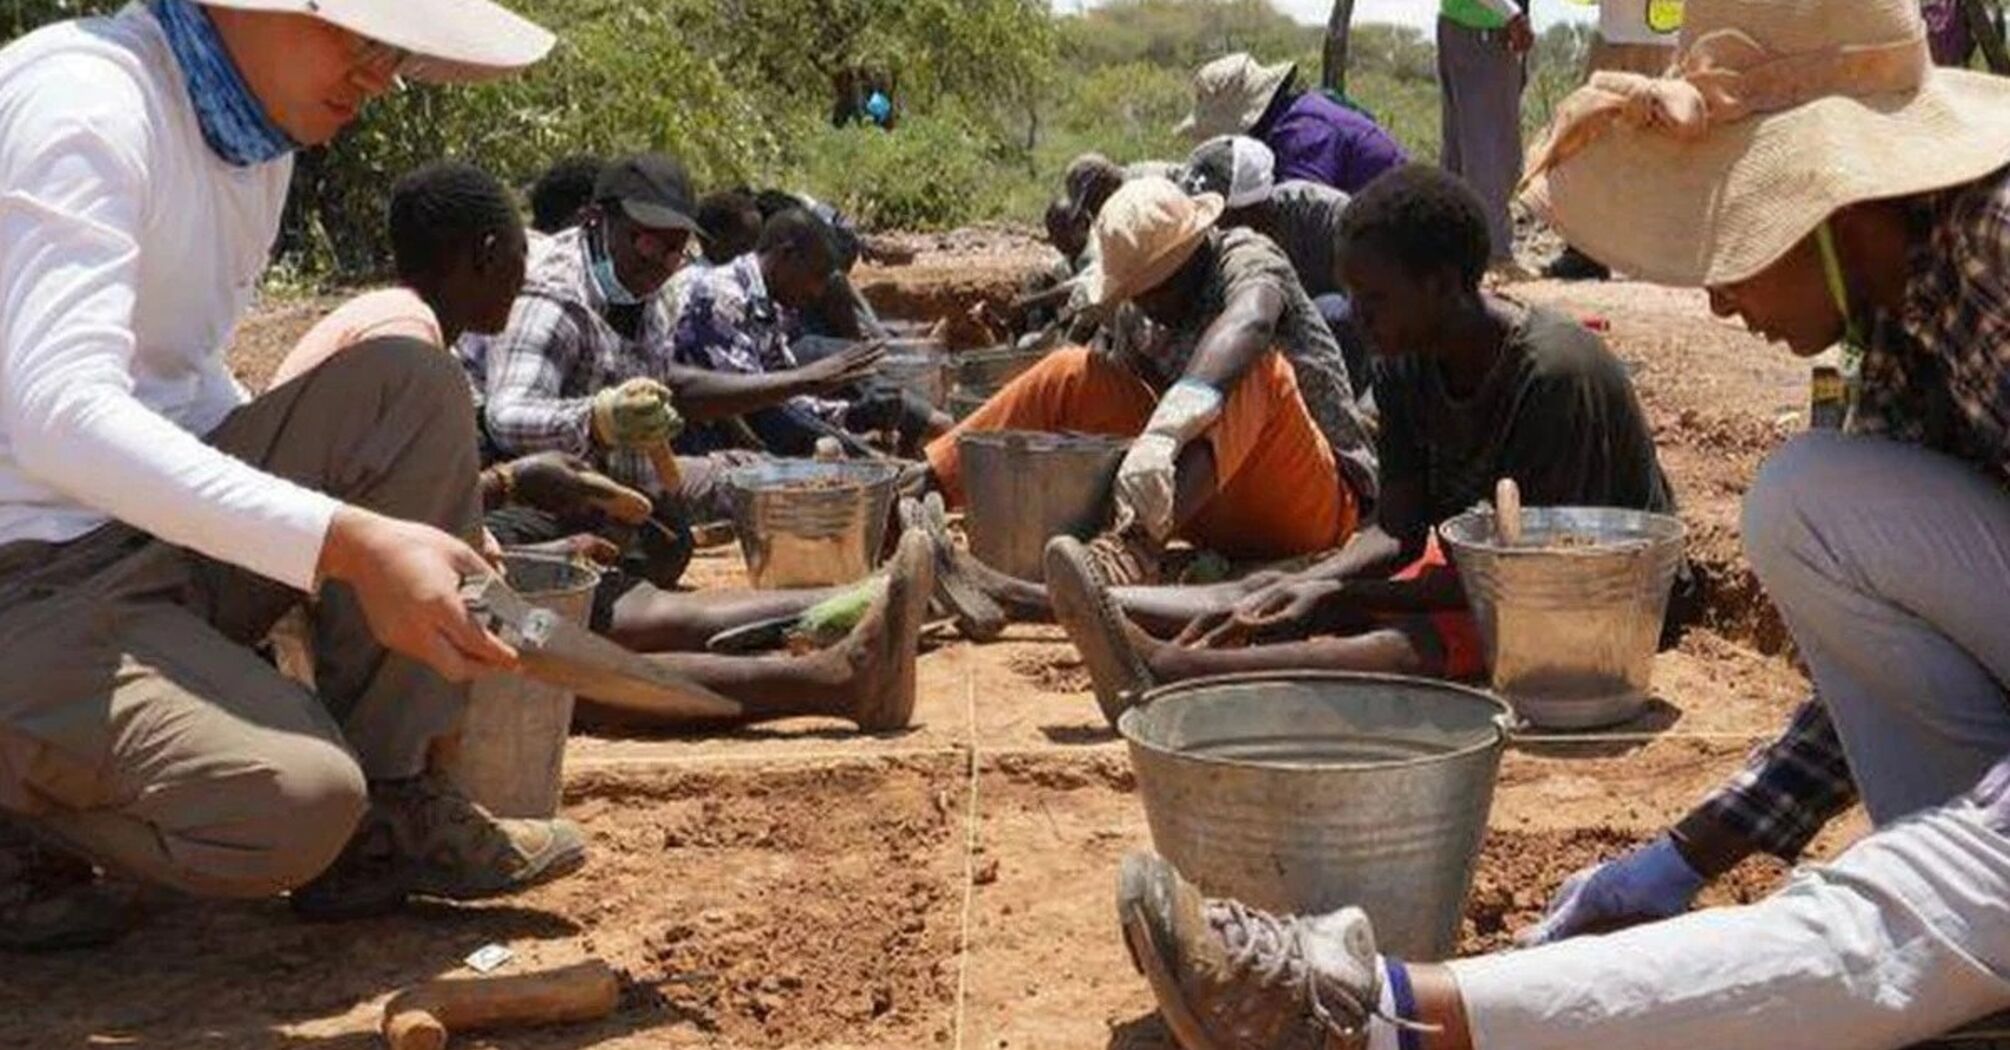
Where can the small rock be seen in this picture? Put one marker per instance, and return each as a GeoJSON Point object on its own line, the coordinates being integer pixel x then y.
{"type": "Point", "coordinates": [986, 872]}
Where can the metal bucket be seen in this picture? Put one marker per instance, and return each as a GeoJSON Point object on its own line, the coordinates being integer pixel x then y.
{"type": "Point", "coordinates": [808, 524]}
{"type": "Point", "coordinates": [985, 372]}
{"type": "Point", "coordinates": [1572, 615]}
{"type": "Point", "coordinates": [920, 365]}
{"type": "Point", "coordinates": [1025, 487]}
{"type": "Point", "coordinates": [510, 752]}
{"type": "Point", "coordinates": [1305, 792]}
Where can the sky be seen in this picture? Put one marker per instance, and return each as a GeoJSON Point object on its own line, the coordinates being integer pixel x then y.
{"type": "Point", "coordinates": [1419, 13]}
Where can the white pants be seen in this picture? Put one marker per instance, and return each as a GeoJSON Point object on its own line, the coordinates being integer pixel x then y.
{"type": "Point", "coordinates": [1892, 567]}
{"type": "Point", "coordinates": [1904, 938]}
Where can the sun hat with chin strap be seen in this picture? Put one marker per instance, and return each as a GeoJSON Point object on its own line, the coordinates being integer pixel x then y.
{"type": "Point", "coordinates": [1776, 115]}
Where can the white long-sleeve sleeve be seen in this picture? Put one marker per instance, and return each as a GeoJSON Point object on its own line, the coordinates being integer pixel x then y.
{"type": "Point", "coordinates": [93, 422]}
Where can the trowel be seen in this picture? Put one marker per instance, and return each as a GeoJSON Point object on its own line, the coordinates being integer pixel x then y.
{"type": "Point", "coordinates": [559, 652]}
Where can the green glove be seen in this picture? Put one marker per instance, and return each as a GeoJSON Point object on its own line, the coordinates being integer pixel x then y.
{"type": "Point", "coordinates": [635, 415]}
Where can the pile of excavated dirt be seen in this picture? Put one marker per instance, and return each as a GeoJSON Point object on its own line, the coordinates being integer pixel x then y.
{"type": "Point", "coordinates": [801, 885]}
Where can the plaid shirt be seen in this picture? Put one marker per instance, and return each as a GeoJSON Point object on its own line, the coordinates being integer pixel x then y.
{"type": "Point", "coordinates": [558, 351]}
{"type": "Point", "coordinates": [727, 322]}
{"type": "Point", "coordinates": [1938, 375]}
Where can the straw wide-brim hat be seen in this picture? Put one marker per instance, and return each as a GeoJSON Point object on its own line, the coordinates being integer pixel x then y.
{"type": "Point", "coordinates": [1230, 94]}
{"type": "Point", "coordinates": [450, 41]}
{"type": "Point", "coordinates": [1146, 232]}
{"type": "Point", "coordinates": [1777, 114]}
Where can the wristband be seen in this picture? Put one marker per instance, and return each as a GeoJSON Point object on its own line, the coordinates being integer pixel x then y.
{"type": "Point", "coordinates": [1185, 411]}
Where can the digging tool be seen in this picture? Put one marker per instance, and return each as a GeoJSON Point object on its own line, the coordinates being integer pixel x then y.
{"type": "Point", "coordinates": [1507, 511]}
{"type": "Point", "coordinates": [564, 654]}
{"type": "Point", "coordinates": [423, 1016]}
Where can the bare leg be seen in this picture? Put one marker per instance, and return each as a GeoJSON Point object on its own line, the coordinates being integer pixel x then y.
{"type": "Point", "coordinates": [868, 678]}
{"type": "Point", "coordinates": [649, 619]}
{"type": "Point", "coordinates": [1385, 650]}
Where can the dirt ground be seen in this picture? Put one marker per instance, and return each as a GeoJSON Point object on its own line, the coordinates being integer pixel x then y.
{"type": "Point", "coordinates": [798, 885]}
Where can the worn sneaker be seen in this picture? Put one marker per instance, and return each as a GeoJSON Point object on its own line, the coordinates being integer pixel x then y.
{"type": "Point", "coordinates": [1084, 608]}
{"type": "Point", "coordinates": [1127, 556]}
{"type": "Point", "coordinates": [1230, 977]}
{"type": "Point", "coordinates": [52, 899]}
{"type": "Point", "coordinates": [423, 838]}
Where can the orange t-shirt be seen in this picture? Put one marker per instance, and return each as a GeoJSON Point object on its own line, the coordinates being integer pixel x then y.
{"type": "Point", "coordinates": [389, 311]}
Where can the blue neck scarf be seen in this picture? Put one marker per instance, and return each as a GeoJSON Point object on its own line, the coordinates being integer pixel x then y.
{"type": "Point", "coordinates": [233, 122]}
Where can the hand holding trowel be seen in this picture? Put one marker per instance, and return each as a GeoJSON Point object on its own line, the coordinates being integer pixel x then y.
{"type": "Point", "coordinates": [555, 650]}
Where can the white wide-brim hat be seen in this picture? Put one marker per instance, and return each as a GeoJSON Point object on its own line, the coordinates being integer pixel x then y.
{"type": "Point", "coordinates": [1777, 114]}
{"type": "Point", "coordinates": [450, 41]}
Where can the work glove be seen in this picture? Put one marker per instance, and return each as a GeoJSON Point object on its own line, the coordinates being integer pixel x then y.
{"type": "Point", "coordinates": [635, 415]}
{"type": "Point", "coordinates": [1652, 882]}
{"type": "Point", "coordinates": [1146, 480]}
{"type": "Point", "coordinates": [568, 488]}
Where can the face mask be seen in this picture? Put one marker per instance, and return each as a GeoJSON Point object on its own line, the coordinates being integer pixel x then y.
{"type": "Point", "coordinates": [601, 262]}
{"type": "Point", "coordinates": [1853, 334]}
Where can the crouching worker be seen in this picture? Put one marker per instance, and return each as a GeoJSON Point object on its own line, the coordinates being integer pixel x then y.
{"type": "Point", "coordinates": [154, 526]}
{"type": "Point", "coordinates": [1473, 387]}
{"type": "Point", "coordinates": [1846, 188]}
{"type": "Point", "coordinates": [1248, 444]}
{"type": "Point", "coordinates": [458, 249]}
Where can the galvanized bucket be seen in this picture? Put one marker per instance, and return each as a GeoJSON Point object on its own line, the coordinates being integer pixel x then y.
{"type": "Point", "coordinates": [1025, 487]}
{"type": "Point", "coordinates": [510, 752]}
{"type": "Point", "coordinates": [1305, 792]}
{"type": "Point", "coordinates": [1572, 615]}
{"type": "Point", "coordinates": [920, 365]}
{"type": "Point", "coordinates": [808, 524]}
{"type": "Point", "coordinates": [985, 372]}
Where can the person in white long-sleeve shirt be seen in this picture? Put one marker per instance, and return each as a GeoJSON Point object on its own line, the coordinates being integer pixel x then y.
{"type": "Point", "coordinates": [154, 524]}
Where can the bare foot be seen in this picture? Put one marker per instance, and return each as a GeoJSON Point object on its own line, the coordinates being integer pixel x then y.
{"type": "Point", "coordinates": [881, 651]}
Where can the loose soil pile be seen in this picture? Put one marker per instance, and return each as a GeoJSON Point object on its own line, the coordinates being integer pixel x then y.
{"type": "Point", "coordinates": [799, 885]}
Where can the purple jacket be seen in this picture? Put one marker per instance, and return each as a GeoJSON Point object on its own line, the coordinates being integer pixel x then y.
{"type": "Point", "coordinates": [1320, 140]}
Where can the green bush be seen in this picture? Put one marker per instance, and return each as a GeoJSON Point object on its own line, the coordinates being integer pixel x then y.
{"type": "Point", "coordinates": [933, 173]}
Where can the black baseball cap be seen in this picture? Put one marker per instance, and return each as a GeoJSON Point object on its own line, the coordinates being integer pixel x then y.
{"type": "Point", "coordinates": [652, 189]}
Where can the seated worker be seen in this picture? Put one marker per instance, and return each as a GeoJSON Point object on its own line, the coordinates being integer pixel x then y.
{"type": "Point", "coordinates": [458, 249]}
{"type": "Point", "coordinates": [155, 525]}
{"type": "Point", "coordinates": [584, 366]}
{"type": "Point", "coordinates": [1847, 190]}
{"type": "Point", "coordinates": [842, 312]}
{"type": "Point", "coordinates": [1473, 387]}
{"type": "Point", "coordinates": [559, 199]}
{"type": "Point", "coordinates": [1249, 443]}
{"type": "Point", "coordinates": [1314, 137]}
{"type": "Point", "coordinates": [735, 321]}
{"type": "Point", "coordinates": [1303, 218]}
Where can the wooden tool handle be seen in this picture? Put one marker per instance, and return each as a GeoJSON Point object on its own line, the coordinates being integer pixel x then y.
{"type": "Point", "coordinates": [665, 462]}
{"type": "Point", "coordinates": [1507, 511]}
{"type": "Point", "coordinates": [421, 1017]}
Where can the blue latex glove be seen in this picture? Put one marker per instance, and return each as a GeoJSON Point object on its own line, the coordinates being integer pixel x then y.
{"type": "Point", "coordinates": [1652, 882]}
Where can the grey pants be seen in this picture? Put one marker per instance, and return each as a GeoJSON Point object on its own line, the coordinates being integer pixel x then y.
{"type": "Point", "coordinates": [1892, 567]}
{"type": "Point", "coordinates": [1479, 91]}
{"type": "Point", "coordinates": [137, 723]}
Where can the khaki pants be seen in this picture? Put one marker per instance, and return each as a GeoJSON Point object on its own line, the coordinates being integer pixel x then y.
{"type": "Point", "coordinates": [136, 722]}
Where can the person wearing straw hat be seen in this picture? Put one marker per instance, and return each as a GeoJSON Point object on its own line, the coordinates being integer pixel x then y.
{"type": "Point", "coordinates": [1249, 443]}
{"type": "Point", "coordinates": [154, 524]}
{"type": "Point", "coordinates": [1806, 163]}
{"type": "Point", "coordinates": [1315, 138]}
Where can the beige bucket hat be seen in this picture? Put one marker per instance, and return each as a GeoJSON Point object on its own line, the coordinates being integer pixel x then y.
{"type": "Point", "coordinates": [1230, 95]}
{"type": "Point", "coordinates": [450, 41]}
{"type": "Point", "coordinates": [1777, 114]}
{"type": "Point", "coordinates": [1146, 232]}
